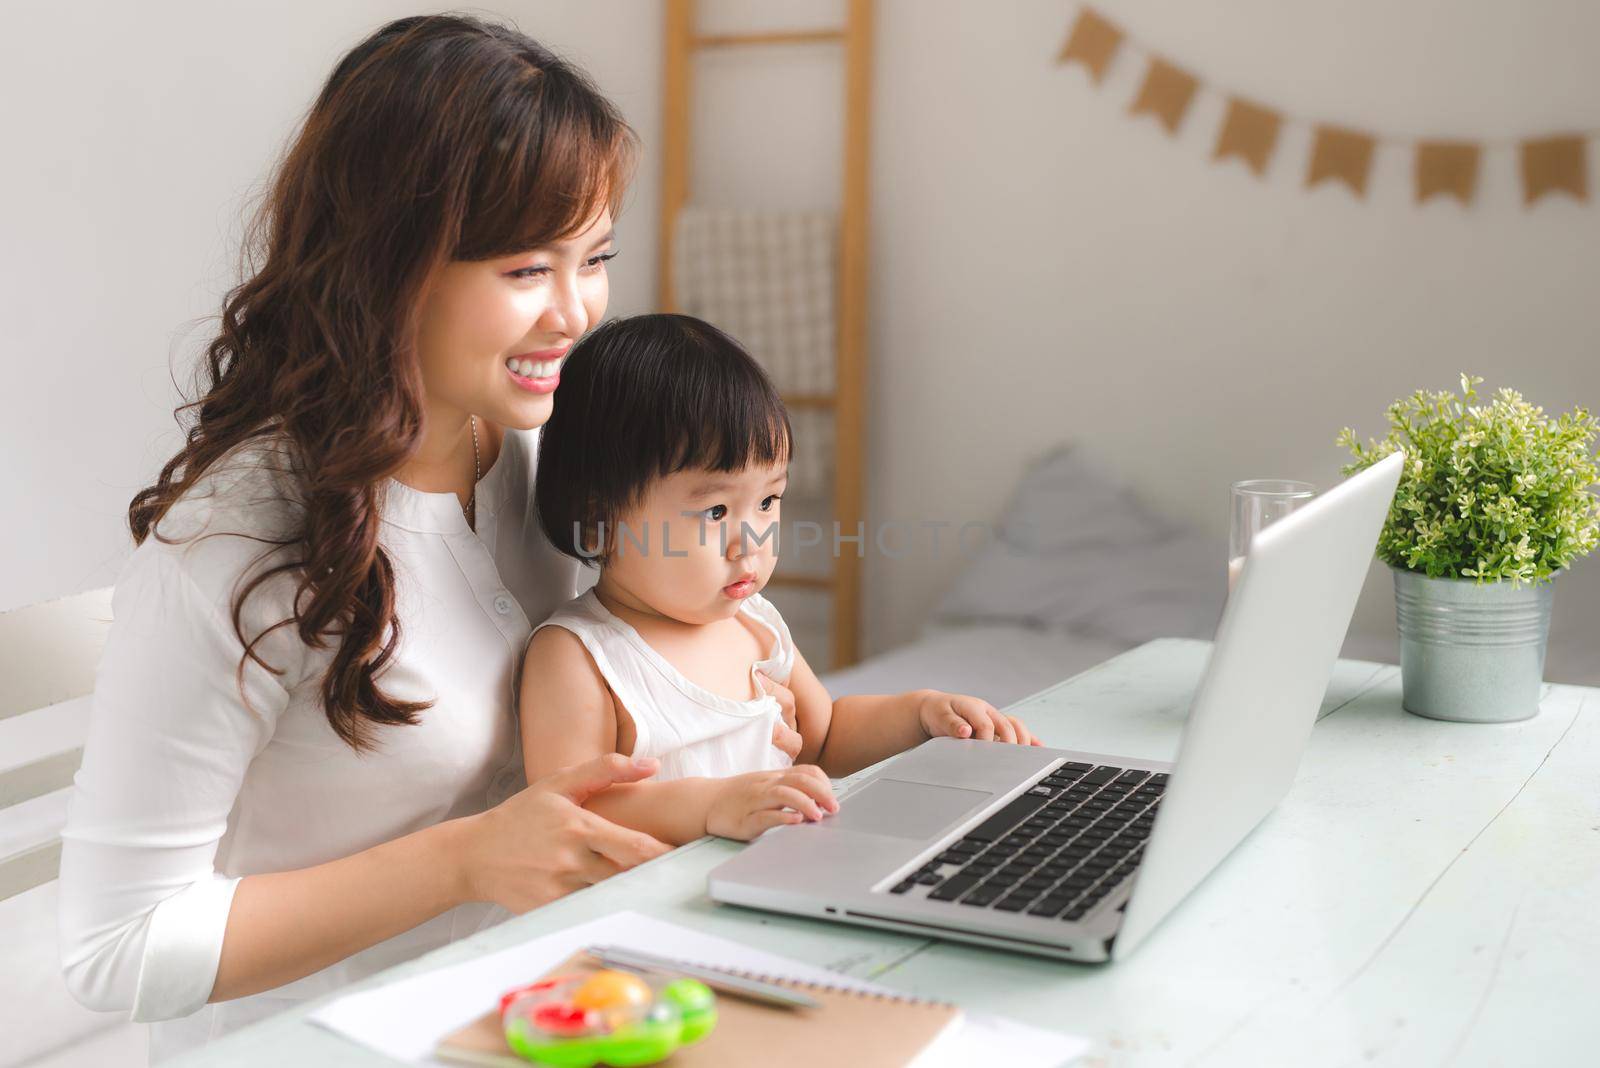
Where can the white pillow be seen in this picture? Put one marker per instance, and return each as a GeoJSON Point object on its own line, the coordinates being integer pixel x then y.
{"type": "Point", "coordinates": [1076, 549]}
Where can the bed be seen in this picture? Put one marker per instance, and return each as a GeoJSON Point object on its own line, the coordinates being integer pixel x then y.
{"type": "Point", "coordinates": [1080, 569]}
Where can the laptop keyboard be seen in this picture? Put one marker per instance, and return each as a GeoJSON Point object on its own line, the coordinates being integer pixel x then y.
{"type": "Point", "coordinates": [1054, 850]}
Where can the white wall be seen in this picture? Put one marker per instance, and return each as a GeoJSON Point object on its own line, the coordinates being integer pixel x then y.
{"type": "Point", "coordinates": [136, 136]}
{"type": "Point", "coordinates": [1044, 267]}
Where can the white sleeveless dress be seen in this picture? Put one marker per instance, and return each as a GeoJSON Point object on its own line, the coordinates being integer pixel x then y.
{"type": "Point", "coordinates": [689, 729]}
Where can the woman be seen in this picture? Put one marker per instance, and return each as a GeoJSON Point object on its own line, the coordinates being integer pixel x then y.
{"type": "Point", "coordinates": [303, 711]}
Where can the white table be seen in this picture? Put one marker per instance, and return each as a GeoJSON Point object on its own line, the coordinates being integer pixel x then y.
{"type": "Point", "coordinates": [1427, 894]}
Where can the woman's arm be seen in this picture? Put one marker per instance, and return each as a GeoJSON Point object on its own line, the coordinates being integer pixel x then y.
{"type": "Point", "coordinates": [286, 925]}
{"type": "Point", "coordinates": [532, 848]}
{"type": "Point", "coordinates": [568, 716]}
{"type": "Point", "coordinates": [142, 908]}
{"type": "Point", "coordinates": [147, 924]}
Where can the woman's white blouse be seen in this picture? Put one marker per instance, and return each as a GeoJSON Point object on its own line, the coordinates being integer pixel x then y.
{"type": "Point", "coordinates": [185, 788]}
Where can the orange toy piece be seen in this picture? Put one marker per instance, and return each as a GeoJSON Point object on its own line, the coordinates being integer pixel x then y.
{"type": "Point", "coordinates": [610, 990]}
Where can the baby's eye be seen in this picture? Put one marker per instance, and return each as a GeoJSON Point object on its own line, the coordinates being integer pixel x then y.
{"type": "Point", "coordinates": [711, 513]}
{"type": "Point", "coordinates": [766, 505]}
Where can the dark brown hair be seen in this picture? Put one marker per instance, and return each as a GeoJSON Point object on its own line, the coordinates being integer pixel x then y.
{"type": "Point", "coordinates": [642, 398]}
{"type": "Point", "coordinates": [437, 138]}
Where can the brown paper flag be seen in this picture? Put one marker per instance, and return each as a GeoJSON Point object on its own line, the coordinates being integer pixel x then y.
{"type": "Point", "coordinates": [1166, 94]}
{"type": "Point", "coordinates": [1249, 131]}
{"type": "Point", "coordinates": [1448, 167]}
{"type": "Point", "coordinates": [1093, 42]}
{"type": "Point", "coordinates": [1554, 164]}
{"type": "Point", "coordinates": [1340, 154]}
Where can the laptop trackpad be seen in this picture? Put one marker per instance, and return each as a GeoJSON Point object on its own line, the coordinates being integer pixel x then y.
{"type": "Point", "coordinates": [905, 809]}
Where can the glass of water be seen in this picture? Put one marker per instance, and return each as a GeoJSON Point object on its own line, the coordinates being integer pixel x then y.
{"type": "Point", "coordinates": [1257, 504]}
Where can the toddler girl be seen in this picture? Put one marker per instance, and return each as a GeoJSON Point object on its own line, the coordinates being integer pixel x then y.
{"type": "Point", "coordinates": [663, 465]}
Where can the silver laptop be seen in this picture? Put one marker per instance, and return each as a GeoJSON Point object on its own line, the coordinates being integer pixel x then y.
{"type": "Point", "coordinates": [1080, 855]}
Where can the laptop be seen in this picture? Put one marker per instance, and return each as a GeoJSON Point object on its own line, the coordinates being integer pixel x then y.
{"type": "Point", "coordinates": [1080, 855]}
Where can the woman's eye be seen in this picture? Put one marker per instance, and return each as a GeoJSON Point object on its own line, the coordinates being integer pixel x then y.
{"type": "Point", "coordinates": [766, 505]}
{"type": "Point", "coordinates": [711, 513]}
{"type": "Point", "coordinates": [592, 265]}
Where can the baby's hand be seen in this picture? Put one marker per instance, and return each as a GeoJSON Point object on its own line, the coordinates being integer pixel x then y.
{"type": "Point", "coordinates": [787, 740]}
{"type": "Point", "coordinates": [955, 715]}
{"type": "Point", "coordinates": [785, 734]}
{"type": "Point", "coordinates": [746, 805]}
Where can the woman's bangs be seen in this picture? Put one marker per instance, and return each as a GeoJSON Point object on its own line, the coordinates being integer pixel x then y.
{"type": "Point", "coordinates": [541, 185]}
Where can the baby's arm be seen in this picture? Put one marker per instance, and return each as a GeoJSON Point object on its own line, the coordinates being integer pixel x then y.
{"type": "Point", "coordinates": [846, 735]}
{"type": "Point", "coordinates": [568, 716]}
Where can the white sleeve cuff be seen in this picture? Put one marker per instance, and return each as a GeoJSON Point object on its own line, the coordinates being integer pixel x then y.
{"type": "Point", "coordinates": [182, 948]}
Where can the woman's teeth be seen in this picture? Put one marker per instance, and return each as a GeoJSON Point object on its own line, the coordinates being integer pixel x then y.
{"type": "Point", "coordinates": [532, 369]}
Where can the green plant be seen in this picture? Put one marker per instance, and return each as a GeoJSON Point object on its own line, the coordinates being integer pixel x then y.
{"type": "Point", "coordinates": [1491, 492]}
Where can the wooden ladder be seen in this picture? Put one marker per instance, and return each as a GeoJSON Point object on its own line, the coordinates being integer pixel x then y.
{"type": "Point", "coordinates": [846, 402]}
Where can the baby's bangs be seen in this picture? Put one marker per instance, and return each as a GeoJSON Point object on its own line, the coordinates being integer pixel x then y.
{"type": "Point", "coordinates": [558, 156]}
{"type": "Point", "coordinates": [739, 429]}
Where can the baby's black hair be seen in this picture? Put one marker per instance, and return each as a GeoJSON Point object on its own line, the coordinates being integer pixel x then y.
{"type": "Point", "coordinates": [642, 398]}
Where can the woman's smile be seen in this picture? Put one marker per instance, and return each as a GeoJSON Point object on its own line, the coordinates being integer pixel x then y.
{"type": "Point", "coordinates": [537, 372]}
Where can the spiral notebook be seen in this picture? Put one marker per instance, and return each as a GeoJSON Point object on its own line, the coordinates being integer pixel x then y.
{"type": "Point", "coordinates": [854, 1027]}
{"type": "Point", "coordinates": [407, 1016]}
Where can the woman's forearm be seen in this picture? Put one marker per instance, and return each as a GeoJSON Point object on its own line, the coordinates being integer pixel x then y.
{"type": "Point", "coordinates": [867, 728]}
{"type": "Point", "coordinates": [673, 812]}
{"type": "Point", "coordinates": [286, 925]}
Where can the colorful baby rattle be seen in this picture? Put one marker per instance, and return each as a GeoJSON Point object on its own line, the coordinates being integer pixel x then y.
{"type": "Point", "coordinates": [610, 1017]}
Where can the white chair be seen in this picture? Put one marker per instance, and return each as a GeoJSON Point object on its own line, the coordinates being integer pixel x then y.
{"type": "Point", "coordinates": [48, 654]}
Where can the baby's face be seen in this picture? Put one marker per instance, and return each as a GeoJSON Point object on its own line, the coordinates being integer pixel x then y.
{"type": "Point", "coordinates": [702, 533]}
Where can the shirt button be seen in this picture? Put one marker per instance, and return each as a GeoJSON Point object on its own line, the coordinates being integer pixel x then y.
{"type": "Point", "coordinates": [503, 604]}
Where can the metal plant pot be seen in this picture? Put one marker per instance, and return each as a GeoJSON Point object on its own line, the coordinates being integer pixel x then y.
{"type": "Point", "coordinates": [1468, 652]}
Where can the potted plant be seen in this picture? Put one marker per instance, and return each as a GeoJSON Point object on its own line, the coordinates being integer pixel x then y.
{"type": "Point", "coordinates": [1494, 501]}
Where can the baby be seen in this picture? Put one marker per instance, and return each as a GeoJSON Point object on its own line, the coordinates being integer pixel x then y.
{"type": "Point", "coordinates": [663, 465]}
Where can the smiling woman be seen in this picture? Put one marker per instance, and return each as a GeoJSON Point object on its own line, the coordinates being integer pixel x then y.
{"type": "Point", "coordinates": [490, 305]}
{"type": "Point", "coordinates": [304, 706]}
{"type": "Point", "coordinates": [492, 337]}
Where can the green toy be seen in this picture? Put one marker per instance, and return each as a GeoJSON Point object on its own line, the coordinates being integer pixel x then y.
{"type": "Point", "coordinates": [610, 1017]}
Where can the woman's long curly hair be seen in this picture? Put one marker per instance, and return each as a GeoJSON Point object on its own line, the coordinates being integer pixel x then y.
{"type": "Point", "coordinates": [438, 138]}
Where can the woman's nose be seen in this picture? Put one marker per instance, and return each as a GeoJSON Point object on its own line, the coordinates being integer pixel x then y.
{"type": "Point", "coordinates": [565, 313]}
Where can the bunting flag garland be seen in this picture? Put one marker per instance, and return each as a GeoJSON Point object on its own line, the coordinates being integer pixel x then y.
{"type": "Point", "coordinates": [1554, 163]}
{"type": "Point", "coordinates": [1166, 94]}
{"type": "Point", "coordinates": [1448, 167]}
{"type": "Point", "coordinates": [1093, 42]}
{"type": "Point", "coordinates": [1250, 131]}
{"type": "Point", "coordinates": [1344, 155]}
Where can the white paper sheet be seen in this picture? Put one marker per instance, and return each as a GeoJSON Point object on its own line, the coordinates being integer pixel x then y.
{"type": "Point", "coordinates": [407, 1018]}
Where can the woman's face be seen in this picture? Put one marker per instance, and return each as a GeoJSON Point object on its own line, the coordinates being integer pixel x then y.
{"type": "Point", "coordinates": [493, 333]}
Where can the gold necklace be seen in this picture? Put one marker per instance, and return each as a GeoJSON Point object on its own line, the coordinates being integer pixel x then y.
{"type": "Point", "coordinates": [469, 509]}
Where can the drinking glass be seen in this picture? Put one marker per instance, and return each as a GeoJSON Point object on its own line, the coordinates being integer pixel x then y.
{"type": "Point", "coordinates": [1257, 504]}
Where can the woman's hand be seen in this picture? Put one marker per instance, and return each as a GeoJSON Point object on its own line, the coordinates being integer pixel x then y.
{"type": "Point", "coordinates": [541, 844]}
{"type": "Point", "coordinates": [955, 715]}
{"type": "Point", "coordinates": [785, 733]}
{"type": "Point", "coordinates": [746, 805]}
